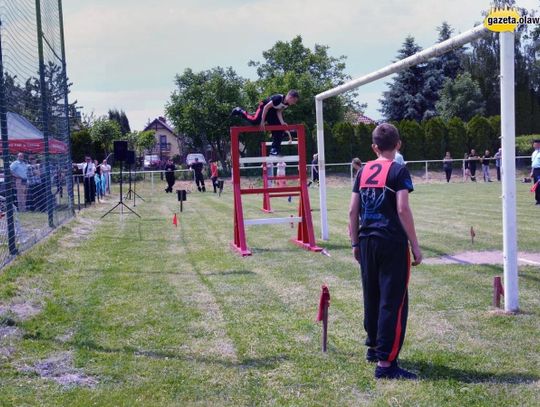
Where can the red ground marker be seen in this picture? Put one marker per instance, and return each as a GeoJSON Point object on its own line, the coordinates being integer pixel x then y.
{"type": "Point", "coordinates": [322, 315]}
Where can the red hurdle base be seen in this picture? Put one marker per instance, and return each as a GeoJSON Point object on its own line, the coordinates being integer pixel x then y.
{"type": "Point", "coordinates": [238, 250]}
{"type": "Point", "coordinates": [306, 246]}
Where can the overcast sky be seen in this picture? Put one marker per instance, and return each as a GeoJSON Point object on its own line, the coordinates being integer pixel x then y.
{"type": "Point", "coordinates": [125, 54]}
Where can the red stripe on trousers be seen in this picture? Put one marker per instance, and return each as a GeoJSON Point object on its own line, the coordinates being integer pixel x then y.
{"type": "Point", "coordinates": [397, 339]}
{"type": "Point", "coordinates": [254, 115]}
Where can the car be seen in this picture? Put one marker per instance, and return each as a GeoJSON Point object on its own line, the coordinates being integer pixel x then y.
{"type": "Point", "coordinates": [151, 161]}
{"type": "Point", "coordinates": [190, 159]}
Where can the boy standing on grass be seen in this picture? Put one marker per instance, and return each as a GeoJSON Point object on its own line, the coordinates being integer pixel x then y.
{"type": "Point", "coordinates": [380, 213]}
{"type": "Point", "coordinates": [270, 111]}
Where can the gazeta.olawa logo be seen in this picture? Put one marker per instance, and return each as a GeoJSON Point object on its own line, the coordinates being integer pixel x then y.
{"type": "Point", "coordinates": [500, 19]}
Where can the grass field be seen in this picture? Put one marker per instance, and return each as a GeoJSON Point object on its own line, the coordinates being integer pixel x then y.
{"type": "Point", "coordinates": [138, 312]}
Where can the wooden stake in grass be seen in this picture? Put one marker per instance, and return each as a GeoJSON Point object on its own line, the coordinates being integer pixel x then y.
{"type": "Point", "coordinates": [473, 235]}
{"type": "Point", "coordinates": [175, 220]}
{"type": "Point", "coordinates": [498, 290]}
{"type": "Point", "coordinates": [322, 315]}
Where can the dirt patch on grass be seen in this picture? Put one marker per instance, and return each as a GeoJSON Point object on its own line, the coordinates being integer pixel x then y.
{"type": "Point", "coordinates": [60, 368]}
{"type": "Point", "coordinates": [81, 230]}
{"type": "Point", "coordinates": [484, 257]}
{"type": "Point", "coordinates": [9, 336]}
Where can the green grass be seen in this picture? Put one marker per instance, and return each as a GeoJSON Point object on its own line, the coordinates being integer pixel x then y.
{"type": "Point", "coordinates": [170, 316]}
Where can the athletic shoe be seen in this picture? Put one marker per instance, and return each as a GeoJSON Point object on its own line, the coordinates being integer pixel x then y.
{"type": "Point", "coordinates": [289, 199]}
{"type": "Point", "coordinates": [274, 152]}
{"type": "Point", "coordinates": [237, 111]}
{"type": "Point", "coordinates": [394, 372]}
{"type": "Point", "coordinates": [371, 355]}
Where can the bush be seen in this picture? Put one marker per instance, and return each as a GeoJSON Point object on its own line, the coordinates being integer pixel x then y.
{"type": "Point", "coordinates": [524, 144]}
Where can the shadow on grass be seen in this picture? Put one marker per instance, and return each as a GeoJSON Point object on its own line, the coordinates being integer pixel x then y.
{"type": "Point", "coordinates": [231, 273]}
{"type": "Point", "coordinates": [268, 362]}
{"type": "Point", "coordinates": [437, 371]}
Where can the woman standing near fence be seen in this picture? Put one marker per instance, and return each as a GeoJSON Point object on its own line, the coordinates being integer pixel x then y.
{"type": "Point", "coordinates": [447, 166]}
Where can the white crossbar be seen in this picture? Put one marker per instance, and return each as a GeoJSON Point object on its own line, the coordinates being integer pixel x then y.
{"type": "Point", "coordinates": [272, 221]}
{"type": "Point", "coordinates": [285, 143]}
{"type": "Point", "coordinates": [270, 159]}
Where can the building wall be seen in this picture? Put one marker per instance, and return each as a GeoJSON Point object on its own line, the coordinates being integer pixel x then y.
{"type": "Point", "coordinates": [170, 148]}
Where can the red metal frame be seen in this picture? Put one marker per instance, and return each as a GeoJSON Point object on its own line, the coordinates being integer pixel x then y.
{"type": "Point", "coordinates": [305, 235]}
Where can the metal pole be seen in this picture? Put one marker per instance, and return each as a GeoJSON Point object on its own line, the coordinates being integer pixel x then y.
{"type": "Point", "coordinates": [8, 179]}
{"type": "Point", "coordinates": [508, 132]}
{"type": "Point", "coordinates": [426, 171]}
{"type": "Point", "coordinates": [322, 169]}
{"type": "Point", "coordinates": [45, 116]}
{"type": "Point", "coordinates": [69, 176]}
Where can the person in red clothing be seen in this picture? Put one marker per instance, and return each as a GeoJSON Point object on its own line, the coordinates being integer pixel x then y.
{"type": "Point", "coordinates": [381, 227]}
{"type": "Point", "coordinates": [214, 174]}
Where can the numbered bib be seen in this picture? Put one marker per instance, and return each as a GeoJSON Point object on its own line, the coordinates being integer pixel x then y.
{"type": "Point", "coordinates": [374, 174]}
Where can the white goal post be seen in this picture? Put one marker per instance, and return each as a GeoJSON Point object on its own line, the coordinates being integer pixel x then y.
{"type": "Point", "coordinates": [511, 302]}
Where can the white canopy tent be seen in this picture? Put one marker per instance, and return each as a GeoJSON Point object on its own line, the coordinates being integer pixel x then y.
{"type": "Point", "coordinates": [507, 131]}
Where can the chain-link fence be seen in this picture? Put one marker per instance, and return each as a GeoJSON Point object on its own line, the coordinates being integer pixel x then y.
{"type": "Point", "coordinates": [36, 193]}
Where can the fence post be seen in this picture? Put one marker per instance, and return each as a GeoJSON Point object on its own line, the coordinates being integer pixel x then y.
{"type": "Point", "coordinates": [8, 179]}
{"type": "Point", "coordinates": [45, 116]}
{"type": "Point", "coordinates": [427, 171]}
{"type": "Point", "coordinates": [69, 167]}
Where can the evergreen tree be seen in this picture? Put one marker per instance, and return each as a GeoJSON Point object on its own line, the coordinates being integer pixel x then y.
{"type": "Point", "coordinates": [412, 91]}
{"type": "Point", "coordinates": [122, 120]}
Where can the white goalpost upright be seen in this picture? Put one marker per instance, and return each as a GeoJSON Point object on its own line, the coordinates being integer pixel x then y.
{"type": "Point", "coordinates": [507, 131]}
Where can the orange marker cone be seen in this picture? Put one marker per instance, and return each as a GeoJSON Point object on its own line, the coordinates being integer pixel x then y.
{"type": "Point", "coordinates": [175, 220]}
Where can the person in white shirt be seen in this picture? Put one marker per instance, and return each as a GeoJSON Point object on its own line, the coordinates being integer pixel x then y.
{"type": "Point", "coordinates": [535, 169]}
{"type": "Point", "coordinates": [88, 169]}
{"type": "Point", "coordinates": [19, 171]}
{"type": "Point", "coordinates": [399, 158]}
{"type": "Point", "coordinates": [106, 174]}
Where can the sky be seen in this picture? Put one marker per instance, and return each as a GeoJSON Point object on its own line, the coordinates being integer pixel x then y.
{"type": "Point", "coordinates": [125, 54]}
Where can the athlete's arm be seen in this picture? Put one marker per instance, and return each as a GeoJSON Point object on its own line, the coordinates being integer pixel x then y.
{"type": "Point", "coordinates": [407, 221]}
{"type": "Point", "coordinates": [280, 118]}
{"type": "Point", "coordinates": [354, 212]}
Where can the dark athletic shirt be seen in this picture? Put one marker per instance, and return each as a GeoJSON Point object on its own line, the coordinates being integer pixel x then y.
{"type": "Point", "coordinates": [197, 167]}
{"type": "Point", "coordinates": [278, 101]}
{"type": "Point", "coordinates": [378, 206]}
{"type": "Point", "coordinates": [485, 161]}
{"type": "Point", "coordinates": [473, 159]}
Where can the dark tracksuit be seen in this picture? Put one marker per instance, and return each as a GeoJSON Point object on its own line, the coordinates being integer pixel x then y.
{"type": "Point", "coordinates": [536, 178]}
{"type": "Point", "coordinates": [473, 160]}
{"type": "Point", "coordinates": [199, 178]}
{"type": "Point", "coordinates": [169, 176]}
{"type": "Point", "coordinates": [278, 101]}
{"type": "Point", "coordinates": [384, 260]}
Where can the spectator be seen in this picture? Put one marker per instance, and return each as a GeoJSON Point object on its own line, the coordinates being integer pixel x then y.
{"type": "Point", "coordinates": [106, 174]}
{"type": "Point", "coordinates": [535, 169]}
{"type": "Point", "coordinates": [473, 159]}
{"type": "Point", "coordinates": [214, 174]}
{"type": "Point", "coordinates": [399, 158]}
{"type": "Point", "coordinates": [466, 171]}
{"type": "Point", "coordinates": [170, 168]}
{"type": "Point", "coordinates": [88, 169]}
{"type": "Point", "coordinates": [498, 158]}
{"type": "Point", "coordinates": [314, 170]}
{"type": "Point", "coordinates": [447, 166]}
{"type": "Point", "coordinates": [19, 172]}
{"type": "Point", "coordinates": [485, 166]}
{"type": "Point", "coordinates": [199, 177]}
{"type": "Point", "coordinates": [356, 164]}
{"type": "Point", "coordinates": [35, 198]}
{"type": "Point", "coordinates": [99, 180]}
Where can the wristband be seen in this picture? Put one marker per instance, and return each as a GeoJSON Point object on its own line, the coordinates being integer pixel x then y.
{"type": "Point", "coordinates": [355, 244]}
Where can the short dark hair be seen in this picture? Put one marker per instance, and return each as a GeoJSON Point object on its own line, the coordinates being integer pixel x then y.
{"type": "Point", "coordinates": [294, 94]}
{"type": "Point", "coordinates": [385, 136]}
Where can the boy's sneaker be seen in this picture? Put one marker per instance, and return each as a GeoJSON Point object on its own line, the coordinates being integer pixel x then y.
{"type": "Point", "coordinates": [274, 152]}
{"type": "Point", "coordinates": [371, 355]}
{"type": "Point", "coordinates": [237, 111]}
{"type": "Point", "coordinates": [394, 372]}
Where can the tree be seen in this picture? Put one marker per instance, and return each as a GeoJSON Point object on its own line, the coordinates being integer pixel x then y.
{"type": "Point", "coordinates": [200, 107]}
{"type": "Point", "coordinates": [412, 139]}
{"type": "Point", "coordinates": [480, 134]}
{"type": "Point", "coordinates": [104, 132]}
{"type": "Point", "coordinates": [461, 98]}
{"type": "Point", "coordinates": [146, 140]}
{"type": "Point", "coordinates": [291, 65]}
{"type": "Point", "coordinates": [456, 141]}
{"type": "Point", "coordinates": [122, 120]}
{"type": "Point", "coordinates": [413, 90]}
{"type": "Point", "coordinates": [435, 132]}
{"type": "Point", "coordinates": [450, 63]}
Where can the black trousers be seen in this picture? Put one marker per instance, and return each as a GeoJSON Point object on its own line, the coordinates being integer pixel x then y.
{"type": "Point", "coordinates": [498, 173]}
{"type": "Point", "coordinates": [448, 172]}
{"type": "Point", "coordinates": [271, 119]}
{"type": "Point", "coordinates": [170, 181]}
{"type": "Point", "coordinates": [214, 183]}
{"type": "Point", "coordinates": [472, 169]}
{"type": "Point", "coordinates": [89, 189]}
{"type": "Point", "coordinates": [385, 269]}
{"type": "Point", "coordinates": [199, 180]}
{"type": "Point", "coordinates": [536, 178]}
